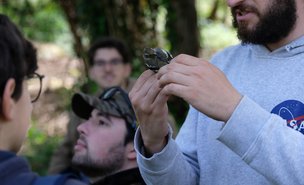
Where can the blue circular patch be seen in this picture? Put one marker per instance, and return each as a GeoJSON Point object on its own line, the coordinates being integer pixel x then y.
{"type": "Point", "coordinates": [293, 112]}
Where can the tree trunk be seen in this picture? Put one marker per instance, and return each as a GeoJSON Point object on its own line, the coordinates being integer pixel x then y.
{"type": "Point", "coordinates": [182, 23]}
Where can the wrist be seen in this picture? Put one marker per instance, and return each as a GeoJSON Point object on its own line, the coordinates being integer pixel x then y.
{"type": "Point", "coordinates": [151, 148]}
{"type": "Point", "coordinates": [232, 106]}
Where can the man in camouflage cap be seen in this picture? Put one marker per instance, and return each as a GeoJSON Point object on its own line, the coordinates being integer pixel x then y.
{"type": "Point", "coordinates": [104, 150]}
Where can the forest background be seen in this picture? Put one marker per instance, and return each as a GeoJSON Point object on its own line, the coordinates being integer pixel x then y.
{"type": "Point", "coordinates": [62, 31]}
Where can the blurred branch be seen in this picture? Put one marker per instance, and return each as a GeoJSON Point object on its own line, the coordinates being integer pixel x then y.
{"type": "Point", "coordinates": [214, 9]}
{"type": "Point", "coordinates": [68, 6]}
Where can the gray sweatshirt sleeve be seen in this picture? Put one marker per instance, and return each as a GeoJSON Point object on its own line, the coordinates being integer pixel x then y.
{"type": "Point", "coordinates": [266, 143]}
{"type": "Point", "coordinates": [170, 166]}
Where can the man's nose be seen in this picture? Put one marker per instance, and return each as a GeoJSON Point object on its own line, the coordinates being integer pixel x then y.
{"type": "Point", "coordinates": [108, 66]}
{"type": "Point", "coordinates": [82, 127]}
{"type": "Point", "coordinates": [233, 3]}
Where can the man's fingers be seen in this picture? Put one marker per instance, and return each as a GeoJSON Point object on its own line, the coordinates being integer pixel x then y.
{"type": "Point", "coordinates": [141, 80]}
{"type": "Point", "coordinates": [174, 77]}
{"type": "Point", "coordinates": [186, 60]}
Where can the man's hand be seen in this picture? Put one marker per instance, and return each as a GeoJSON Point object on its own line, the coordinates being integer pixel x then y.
{"type": "Point", "coordinates": [151, 109]}
{"type": "Point", "coordinates": [201, 84]}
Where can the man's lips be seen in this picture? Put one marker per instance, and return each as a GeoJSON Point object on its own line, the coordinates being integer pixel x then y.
{"type": "Point", "coordinates": [244, 15]}
{"type": "Point", "coordinates": [80, 144]}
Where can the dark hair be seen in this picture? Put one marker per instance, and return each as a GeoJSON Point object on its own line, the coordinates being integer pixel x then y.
{"type": "Point", "coordinates": [18, 57]}
{"type": "Point", "coordinates": [109, 42]}
{"type": "Point", "coordinates": [130, 134]}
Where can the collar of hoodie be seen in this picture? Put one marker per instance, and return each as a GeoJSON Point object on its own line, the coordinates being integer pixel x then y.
{"type": "Point", "coordinates": [291, 49]}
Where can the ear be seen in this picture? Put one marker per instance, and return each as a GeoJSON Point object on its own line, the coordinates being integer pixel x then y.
{"type": "Point", "coordinates": [131, 155]}
{"type": "Point", "coordinates": [7, 101]}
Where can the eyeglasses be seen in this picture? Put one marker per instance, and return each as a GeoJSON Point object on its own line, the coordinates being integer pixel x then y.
{"type": "Point", "coordinates": [34, 83]}
{"type": "Point", "coordinates": [114, 62]}
{"type": "Point", "coordinates": [109, 95]}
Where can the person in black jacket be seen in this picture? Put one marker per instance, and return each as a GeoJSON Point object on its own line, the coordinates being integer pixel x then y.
{"type": "Point", "coordinates": [18, 65]}
{"type": "Point", "coordinates": [104, 150]}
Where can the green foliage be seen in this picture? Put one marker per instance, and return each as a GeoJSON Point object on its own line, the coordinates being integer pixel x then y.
{"type": "Point", "coordinates": [62, 102]}
{"type": "Point", "coordinates": [92, 20]}
{"type": "Point", "coordinates": [39, 149]}
{"type": "Point", "coordinates": [138, 67]}
{"type": "Point", "coordinates": [204, 8]}
{"type": "Point", "coordinates": [41, 20]}
{"type": "Point", "coordinates": [89, 87]}
{"type": "Point", "coordinates": [217, 36]}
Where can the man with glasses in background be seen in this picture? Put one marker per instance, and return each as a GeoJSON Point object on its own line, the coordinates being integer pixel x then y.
{"type": "Point", "coordinates": [18, 63]}
{"type": "Point", "coordinates": [104, 150]}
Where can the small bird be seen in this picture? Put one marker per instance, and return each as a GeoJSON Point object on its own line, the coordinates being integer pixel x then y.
{"type": "Point", "coordinates": [155, 58]}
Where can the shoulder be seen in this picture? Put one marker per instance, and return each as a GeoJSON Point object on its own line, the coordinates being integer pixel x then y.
{"type": "Point", "coordinates": [232, 51]}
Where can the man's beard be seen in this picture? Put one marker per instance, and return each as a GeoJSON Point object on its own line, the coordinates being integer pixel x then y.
{"type": "Point", "coordinates": [275, 24]}
{"type": "Point", "coordinates": [100, 167]}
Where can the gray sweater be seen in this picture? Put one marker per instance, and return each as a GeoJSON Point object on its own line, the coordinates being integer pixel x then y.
{"type": "Point", "coordinates": [262, 142]}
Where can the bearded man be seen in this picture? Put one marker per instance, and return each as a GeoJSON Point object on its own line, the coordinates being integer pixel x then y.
{"type": "Point", "coordinates": [246, 120]}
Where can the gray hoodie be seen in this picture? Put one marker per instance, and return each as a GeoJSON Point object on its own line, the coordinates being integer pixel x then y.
{"type": "Point", "coordinates": [262, 142]}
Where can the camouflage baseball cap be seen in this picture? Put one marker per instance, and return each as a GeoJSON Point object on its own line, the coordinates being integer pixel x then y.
{"type": "Point", "coordinates": [113, 101]}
